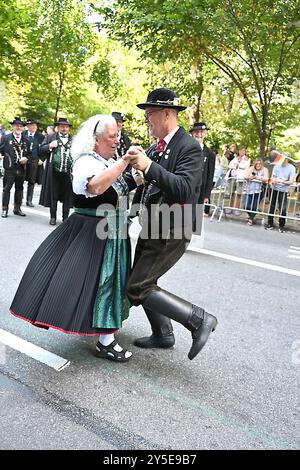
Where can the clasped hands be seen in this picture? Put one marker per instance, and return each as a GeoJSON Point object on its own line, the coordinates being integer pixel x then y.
{"type": "Point", "coordinates": [137, 158]}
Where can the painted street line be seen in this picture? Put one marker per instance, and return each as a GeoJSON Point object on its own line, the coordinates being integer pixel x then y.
{"type": "Point", "coordinates": [39, 354]}
{"type": "Point", "coordinates": [250, 262]}
{"type": "Point", "coordinates": [41, 212]}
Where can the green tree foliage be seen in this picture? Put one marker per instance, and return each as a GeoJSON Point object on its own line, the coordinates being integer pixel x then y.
{"type": "Point", "coordinates": [13, 16]}
{"type": "Point", "coordinates": [253, 42]}
{"type": "Point", "coordinates": [56, 47]}
{"type": "Point", "coordinates": [53, 45]}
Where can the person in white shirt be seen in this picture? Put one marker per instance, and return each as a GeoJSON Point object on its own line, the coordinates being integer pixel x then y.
{"type": "Point", "coordinates": [237, 169]}
{"type": "Point", "coordinates": [75, 281]}
{"type": "Point", "coordinates": [282, 177]}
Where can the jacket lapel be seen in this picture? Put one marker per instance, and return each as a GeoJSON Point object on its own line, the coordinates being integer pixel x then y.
{"type": "Point", "coordinates": [168, 157]}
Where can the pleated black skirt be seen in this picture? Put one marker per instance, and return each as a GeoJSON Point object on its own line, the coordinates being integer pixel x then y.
{"type": "Point", "coordinates": [59, 286]}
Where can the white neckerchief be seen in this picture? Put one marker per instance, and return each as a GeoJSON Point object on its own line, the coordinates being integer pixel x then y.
{"type": "Point", "coordinates": [64, 138]}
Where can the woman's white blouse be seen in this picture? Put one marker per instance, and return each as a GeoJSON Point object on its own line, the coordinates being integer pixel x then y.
{"type": "Point", "coordinates": [85, 168]}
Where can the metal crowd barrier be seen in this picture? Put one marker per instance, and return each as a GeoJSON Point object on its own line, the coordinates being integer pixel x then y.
{"type": "Point", "coordinates": [231, 198]}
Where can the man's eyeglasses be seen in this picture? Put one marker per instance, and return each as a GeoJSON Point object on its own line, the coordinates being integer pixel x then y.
{"type": "Point", "coordinates": [146, 115]}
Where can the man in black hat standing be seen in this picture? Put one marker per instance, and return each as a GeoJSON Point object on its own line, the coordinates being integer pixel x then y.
{"type": "Point", "coordinates": [57, 185]}
{"type": "Point", "coordinates": [172, 172]}
{"type": "Point", "coordinates": [124, 141]}
{"type": "Point", "coordinates": [199, 133]}
{"type": "Point", "coordinates": [16, 152]}
{"type": "Point", "coordinates": [34, 165]}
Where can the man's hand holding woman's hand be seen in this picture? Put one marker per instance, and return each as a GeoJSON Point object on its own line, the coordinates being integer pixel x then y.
{"type": "Point", "coordinates": [137, 158]}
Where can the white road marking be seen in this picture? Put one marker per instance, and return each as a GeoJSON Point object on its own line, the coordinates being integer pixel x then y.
{"type": "Point", "coordinates": [250, 262]}
{"type": "Point", "coordinates": [294, 248]}
{"type": "Point", "coordinates": [294, 256]}
{"type": "Point", "coordinates": [37, 212]}
{"type": "Point", "coordinates": [42, 355]}
{"type": "Point", "coordinates": [294, 251]}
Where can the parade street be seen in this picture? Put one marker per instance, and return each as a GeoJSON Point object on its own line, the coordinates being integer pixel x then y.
{"type": "Point", "coordinates": [240, 392]}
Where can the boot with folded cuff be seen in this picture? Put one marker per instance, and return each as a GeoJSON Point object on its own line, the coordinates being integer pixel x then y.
{"type": "Point", "coordinates": [168, 306]}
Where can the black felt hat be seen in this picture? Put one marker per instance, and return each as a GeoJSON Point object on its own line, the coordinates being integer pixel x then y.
{"type": "Point", "coordinates": [31, 121]}
{"type": "Point", "coordinates": [162, 98]}
{"type": "Point", "coordinates": [63, 121]}
{"type": "Point", "coordinates": [199, 126]}
{"type": "Point", "coordinates": [17, 120]}
{"type": "Point", "coordinates": [118, 116]}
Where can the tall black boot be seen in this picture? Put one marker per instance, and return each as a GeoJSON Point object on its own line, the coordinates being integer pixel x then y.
{"type": "Point", "coordinates": [18, 202]}
{"type": "Point", "coordinates": [66, 211]}
{"type": "Point", "coordinates": [4, 211]}
{"type": "Point", "coordinates": [194, 318]}
{"type": "Point", "coordinates": [5, 203]}
{"type": "Point", "coordinates": [29, 196]}
{"type": "Point", "coordinates": [53, 210]}
{"type": "Point", "coordinates": [162, 332]}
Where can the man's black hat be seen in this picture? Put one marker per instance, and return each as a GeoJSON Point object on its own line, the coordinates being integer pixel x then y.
{"type": "Point", "coordinates": [162, 98]}
{"type": "Point", "coordinates": [31, 121]}
{"type": "Point", "coordinates": [17, 120]}
{"type": "Point", "coordinates": [199, 126]}
{"type": "Point", "coordinates": [63, 121]}
{"type": "Point", "coordinates": [118, 116]}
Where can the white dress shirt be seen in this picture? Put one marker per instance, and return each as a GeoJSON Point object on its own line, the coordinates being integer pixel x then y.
{"type": "Point", "coordinates": [167, 139]}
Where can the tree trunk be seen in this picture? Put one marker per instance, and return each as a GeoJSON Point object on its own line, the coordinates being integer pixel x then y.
{"type": "Point", "coordinates": [262, 144]}
{"type": "Point", "coordinates": [199, 96]}
{"type": "Point", "coordinates": [263, 135]}
{"type": "Point", "coordinates": [197, 110]}
{"type": "Point", "coordinates": [61, 81]}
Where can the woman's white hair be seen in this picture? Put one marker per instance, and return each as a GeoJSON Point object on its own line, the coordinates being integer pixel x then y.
{"type": "Point", "coordinates": [84, 140]}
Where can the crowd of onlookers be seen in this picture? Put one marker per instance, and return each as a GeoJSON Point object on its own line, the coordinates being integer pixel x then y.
{"type": "Point", "coordinates": [246, 181]}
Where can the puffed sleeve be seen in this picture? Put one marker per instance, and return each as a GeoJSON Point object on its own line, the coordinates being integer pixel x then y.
{"type": "Point", "coordinates": [83, 169]}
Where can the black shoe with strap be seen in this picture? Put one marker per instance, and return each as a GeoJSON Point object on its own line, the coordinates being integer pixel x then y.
{"type": "Point", "coordinates": [4, 214]}
{"type": "Point", "coordinates": [109, 352]}
{"type": "Point", "coordinates": [52, 221]}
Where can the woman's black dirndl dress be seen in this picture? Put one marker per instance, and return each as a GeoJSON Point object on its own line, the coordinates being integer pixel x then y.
{"type": "Point", "coordinates": [60, 284]}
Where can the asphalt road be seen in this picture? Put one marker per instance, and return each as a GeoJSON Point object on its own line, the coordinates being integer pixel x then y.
{"type": "Point", "coordinates": [241, 392]}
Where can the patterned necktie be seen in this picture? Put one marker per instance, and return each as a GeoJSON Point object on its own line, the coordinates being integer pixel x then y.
{"type": "Point", "coordinates": [160, 147]}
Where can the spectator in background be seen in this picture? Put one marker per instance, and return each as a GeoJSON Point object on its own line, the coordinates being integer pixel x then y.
{"type": "Point", "coordinates": [16, 151]}
{"type": "Point", "coordinates": [34, 165]}
{"type": "Point", "coordinates": [57, 186]}
{"type": "Point", "coordinates": [2, 132]}
{"type": "Point", "coordinates": [50, 130]}
{"type": "Point", "coordinates": [124, 141]}
{"type": "Point", "coordinates": [232, 152]}
{"type": "Point", "coordinates": [221, 167]}
{"type": "Point", "coordinates": [282, 177]}
{"type": "Point", "coordinates": [199, 133]}
{"type": "Point", "coordinates": [237, 169]}
{"type": "Point", "coordinates": [256, 176]}
{"type": "Point", "coordinates": [298, 179]}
